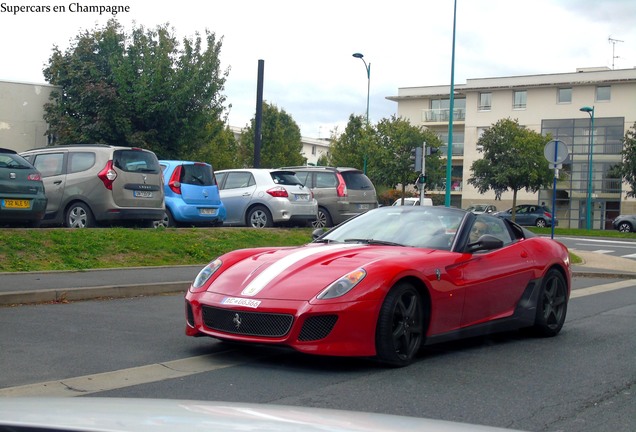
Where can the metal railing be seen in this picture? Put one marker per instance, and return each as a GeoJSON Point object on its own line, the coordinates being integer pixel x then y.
{"type": "Point", "coordinates": [443, 115]}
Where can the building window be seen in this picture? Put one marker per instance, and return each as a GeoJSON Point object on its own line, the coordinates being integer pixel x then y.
{"type": "Point", "coordinates": [313, 150]}
{"type": "Point", "coordinates": [603, 93]}
{"type": "Point", "coordinates": [564, 95]}
{"type": "Point", "coordinates": [485, 101]}
{"type": "Point", "coordinates": [519, 99]}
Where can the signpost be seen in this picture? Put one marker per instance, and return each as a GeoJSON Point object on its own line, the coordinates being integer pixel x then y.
{"type": "Point", "coordinates": [555, 152]}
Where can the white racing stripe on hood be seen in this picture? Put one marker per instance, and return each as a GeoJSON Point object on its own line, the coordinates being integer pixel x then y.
{"type": "Point", "coordinates": [283, 264]}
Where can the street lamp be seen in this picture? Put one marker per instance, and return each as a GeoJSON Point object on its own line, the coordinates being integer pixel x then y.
{"type": "Point", "coordinates": [368, 68]}
{"type": "Point", "coordinates": [588, 204]}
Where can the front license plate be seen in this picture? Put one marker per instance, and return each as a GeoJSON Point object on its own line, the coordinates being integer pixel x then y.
{"type": "Point", "coordinates": [363, 206]}
{"type": "Point", "coordinates": [206, 211]}
{"type": "Point", "coordinates": [16, 203]}
{"type": "Point", "coordinates": [142, 194]}
{"type": "Point", "coordinates": [301, 197]}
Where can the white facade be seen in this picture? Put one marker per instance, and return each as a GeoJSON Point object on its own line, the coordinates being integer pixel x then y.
{"type": "Point", "coordinates": [546, 104]}
{"type": "Point", "coordinates": [22, 124]}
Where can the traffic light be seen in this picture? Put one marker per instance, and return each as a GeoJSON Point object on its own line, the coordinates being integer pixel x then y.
{"type": "Point", "coordinates": [431, 150]}
{"type": "Point", "coordinates": [416, 159]}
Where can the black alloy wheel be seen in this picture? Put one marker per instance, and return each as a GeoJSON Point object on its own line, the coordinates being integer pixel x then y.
{"type": "Point", "coordinates": [400, 329]}
{"type": "Point", "coordinates": [552, 304]}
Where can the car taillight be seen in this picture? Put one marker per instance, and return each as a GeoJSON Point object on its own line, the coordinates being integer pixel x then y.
{"type": "Point", "coordinates": [278, 192]}
{"type": "Point", "coordinates": [108, 175]}
{"type": "Point", "coordinates": [548, 215]}
{"type": "Point", "coordinates": [34, 176]}
{"type": "Point", "coordinates": [342, 186]}
{"type": "Point", "coordinates": [174, 183]}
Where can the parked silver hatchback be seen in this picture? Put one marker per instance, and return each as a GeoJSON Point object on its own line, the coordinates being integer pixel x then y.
{"type": "Point", "coordinates": [97, 184]}
{"type": "Point", "coordinates": [260, 197]}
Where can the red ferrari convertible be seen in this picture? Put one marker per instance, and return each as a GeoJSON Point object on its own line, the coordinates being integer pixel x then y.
{"type": "Point", "coordinates": [384, 284]}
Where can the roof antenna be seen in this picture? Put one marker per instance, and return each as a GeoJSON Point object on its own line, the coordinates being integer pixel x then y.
{"type": "Point", "coordinates": [613, 42]}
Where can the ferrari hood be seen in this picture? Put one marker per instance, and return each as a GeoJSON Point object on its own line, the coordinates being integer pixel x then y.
{"type": "Point", "coordinates": [297, 273]}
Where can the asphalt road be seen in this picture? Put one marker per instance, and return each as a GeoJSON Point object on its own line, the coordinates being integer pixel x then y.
{"type": "Point", "coordinates": [581, 380]}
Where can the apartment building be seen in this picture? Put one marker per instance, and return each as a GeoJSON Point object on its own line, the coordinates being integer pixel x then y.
{"type": "Point", "coordinates": [22, 124]}
{"type": "Point", "coordinates": [549, 103]}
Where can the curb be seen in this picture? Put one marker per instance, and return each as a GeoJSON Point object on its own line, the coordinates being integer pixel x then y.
{"type": "Point", "coordinates": [14, 298]}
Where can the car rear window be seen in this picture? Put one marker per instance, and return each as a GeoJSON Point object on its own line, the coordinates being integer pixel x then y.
{"type": "Point", "coordinates": [285, 178]}
{"type": "Point", "coordinates": [198, 175]}
{"type": "Point", "coordinates": [136, 161]}
{"type": "Point", "coordinates": [356, 180]}
{"type": "Point", "coordinates": [9, 160]}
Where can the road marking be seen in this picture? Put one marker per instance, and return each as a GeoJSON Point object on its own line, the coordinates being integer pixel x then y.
{"type": "Point", "coordinates": [603, 288]}
{"type": "Point", "coordinates": [84, 385]}
{"type": "Point", "coordinates": [603, 251]}
{"type": "Point", "coordinates": [629, 256]}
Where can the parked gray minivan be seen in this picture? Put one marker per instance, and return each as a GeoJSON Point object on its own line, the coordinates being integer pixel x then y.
{"type": "Point", "coordinates": [341, 192]}
{"type": "Point", "coordinates": [88, 185]}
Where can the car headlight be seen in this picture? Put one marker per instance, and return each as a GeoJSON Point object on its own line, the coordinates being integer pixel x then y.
{"type": "Point", "coordinates": [206, 273]}
{"type": "Point", "coordinates": [342, 285]}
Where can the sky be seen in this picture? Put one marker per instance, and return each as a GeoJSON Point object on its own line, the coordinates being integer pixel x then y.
{"type": "Point", "coordinates": [307, 46]}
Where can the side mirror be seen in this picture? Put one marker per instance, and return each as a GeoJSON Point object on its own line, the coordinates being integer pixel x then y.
{"type": "Point", "coordinates": [485, 243]}
{"type": "Point", "coordinates": [317, 233]}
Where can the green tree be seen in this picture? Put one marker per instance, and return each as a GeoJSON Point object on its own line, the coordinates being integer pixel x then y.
{"type": "Point", "coordinates": [354, 145]}
{"type": "Point", "coordinates": [140, 89]}
{"type": "Point", "coordinates": [512, 160]}
{"type": "Point", "coordinates": [396, 139]}
{"type": "Point", "coordinates": [281, 142]}
{"type": "Point", "coordinates": [627, 168]}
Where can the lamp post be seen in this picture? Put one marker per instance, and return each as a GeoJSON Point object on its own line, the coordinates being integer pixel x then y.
{"type": "Point", "coordinates": [367, 66]}
{"type": "Point", "coordinates": [588, 204]}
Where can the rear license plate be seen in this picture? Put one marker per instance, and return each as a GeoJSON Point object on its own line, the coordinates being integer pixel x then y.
{"type": "Point", "coordinates": [207, 211]}
{"type": "Point", "coordinates": [363, 206]}
{"type": "Point", "coordinates": [16, 203]}
{"type": "Point", "coordinates": [301, 197]}
{"type": "Point", "coordinates": [142, 194]}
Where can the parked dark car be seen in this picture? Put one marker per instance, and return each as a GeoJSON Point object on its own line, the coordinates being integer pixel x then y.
{"type": "Point", "coordinates": [530, 215]}
{"type": "Point", "coordinates": [625, 223]}
{"type": "Point", "coordinates": [22, 198]}
{"type": "Point", "coordinates": [191, 194]}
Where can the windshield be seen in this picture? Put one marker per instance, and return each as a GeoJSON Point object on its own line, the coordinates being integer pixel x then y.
{"type": "Point", "coordinates": [428, 227]}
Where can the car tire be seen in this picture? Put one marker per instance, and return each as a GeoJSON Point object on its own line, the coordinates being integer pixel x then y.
{"type": "Point", "coordinates": [79, 215]}
{"type": "Point", "coordinates": [323, 220]}
{"type": "Point", "coordinates": [540, 223]}
{"type": "Point", "coordinates": [166, 222]}
{"type": "Point", "coordinates": [400, 329]}
{"type": "Point", "coordinates": [552, 305]}
{"type": "Point", "coordinates": [625, 227]}
{"type": "Point", "coordinates": [259, 217]}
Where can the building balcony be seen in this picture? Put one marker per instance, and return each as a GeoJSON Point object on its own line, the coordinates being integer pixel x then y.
{"type": "Point", "coordinates": [443, 115]}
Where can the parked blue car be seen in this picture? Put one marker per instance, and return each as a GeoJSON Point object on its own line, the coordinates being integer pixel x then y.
{"type": "Point", "coordinates": [191, 194]}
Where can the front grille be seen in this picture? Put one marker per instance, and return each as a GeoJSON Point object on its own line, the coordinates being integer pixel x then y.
{"type": "Point", "coordinates": [247, 323]}
{"type": "Point", "coordinates": [317, 327]}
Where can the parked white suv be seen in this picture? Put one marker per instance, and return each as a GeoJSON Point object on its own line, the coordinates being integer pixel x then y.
{"type": "Point", "coordinates": [98, 184]}
{"type": "Point", "coordinates": [260, 197]}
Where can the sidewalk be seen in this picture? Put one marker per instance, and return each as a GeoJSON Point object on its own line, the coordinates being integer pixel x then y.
{"type": "Point", "coordinates": [61, 286]}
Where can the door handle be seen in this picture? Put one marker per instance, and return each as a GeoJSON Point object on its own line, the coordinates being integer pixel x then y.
{"type": "Point", "coordinates": [57, 182]}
